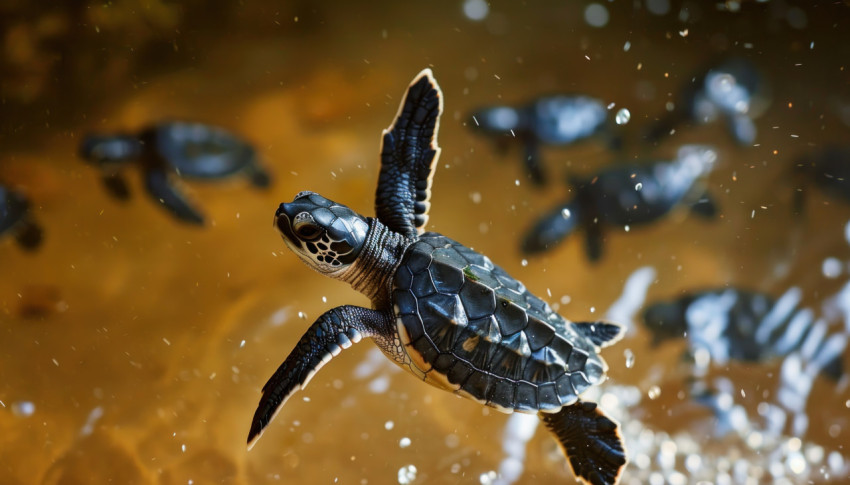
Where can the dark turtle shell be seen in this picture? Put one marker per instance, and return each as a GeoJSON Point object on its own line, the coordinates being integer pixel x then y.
{"type": "Point", "coordinates": [199, 150]}
{"type": "Point", "coordinates": [480, 333]}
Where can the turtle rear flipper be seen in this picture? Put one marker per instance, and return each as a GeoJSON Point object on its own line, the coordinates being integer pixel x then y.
{"type": "Point", "coordinates": [590, 440]}
{"type": "Point", "coordinates": [705, 206]}
{"type": "Point", "coordinates": [161, 189]}
{"type": "Point", "coordinates": [602, 334]}
{"type": "Point", "coordinates": [409, 154]}
{"type": "Point", "coordinates": [116, 186]}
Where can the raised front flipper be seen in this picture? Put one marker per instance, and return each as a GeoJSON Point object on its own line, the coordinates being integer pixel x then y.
{"type": "Point", "coordinates": [552, 228]}
{"type": "Point", "coordinates": [590, 440]}
{"type": "Point", "coordinates": [409, 153]}
{"type": "Point", "coordinates": [160, 188]}
{"type": "Point", "coordinates": [334, 331]}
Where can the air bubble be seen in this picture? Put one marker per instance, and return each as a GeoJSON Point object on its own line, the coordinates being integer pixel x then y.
{"type": "Point", "coordinates": [630, 358]}
{"type": "Point", "coordinates": [654, 392]}
{"type": "Point", "coordinates": [623, 116]}
{"type": "Point", "coordinates": [565, 213]}
{"type": "Point", "coordinates": [406, 474]}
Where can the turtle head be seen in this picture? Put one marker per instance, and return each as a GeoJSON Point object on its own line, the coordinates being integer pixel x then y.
{"type": "Point", "coordinates": [326, 235]}
{"type": "Point", "coordinates": [110, 150]}
{"type": "Point", "coordinates": [495, 120]}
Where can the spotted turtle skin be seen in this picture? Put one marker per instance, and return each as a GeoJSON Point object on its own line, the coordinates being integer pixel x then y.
{"type": "Point", "coordinates": [491, 339]}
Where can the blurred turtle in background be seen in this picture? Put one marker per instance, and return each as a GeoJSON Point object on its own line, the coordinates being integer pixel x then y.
{"type": "Point", "coordinates": [735, 324]}
{"type": "Point", "coordinates": [558, 120]}
{"type": "Point", "coordinates": [626, 195]}
{"type": "Point", "coordinates": [168, 150]}
{"type": "Point", "coordinates": [828, 168]}
{"type": "Point", "coordinates": [16, 220]}
{"type": "Point", "coordinates": [733, 89]}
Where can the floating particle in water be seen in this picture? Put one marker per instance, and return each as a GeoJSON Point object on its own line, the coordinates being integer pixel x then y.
{"type": "Point", "coordinates": [627, 46]}
{"type": "Point", "coordinates": [654, 392]}
{"type": "Point", "coordinates": [476, 10]}
{"type": "Point", "coordinates": [524, 262]}
{"type": "Point", "coordinates": [638, 186]}
{"type": "Point", "coordinates": [565, 213]}
{"type": "Point", "coordinates": [404, 442]}
{"type": "Point", "coordinates": [596, 15]}
{"type": "Point", "coordinates": [389, 425]}
{"type": "Point", "coordinates": [488, 478]}
{"type": "Point", "coordinates": [623, 116]}
{"type": "Point", "coordinates": [302, 315]}
{"type": "Point", "coordinates": [831, 267]}
{"type": "Point", "coordinates": [23, 409]}
{"type": "Point", "coordinates": [630, 358]}
{"type": "Point", "coordinates": [566, 300]}
{"type": "Point", "coordinates": [407, 474]}
{"type": "Point", "coordinates": [475, 197]}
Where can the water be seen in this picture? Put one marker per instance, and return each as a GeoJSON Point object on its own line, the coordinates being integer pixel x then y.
{"type": "Point", "coordinates": [133, 348]}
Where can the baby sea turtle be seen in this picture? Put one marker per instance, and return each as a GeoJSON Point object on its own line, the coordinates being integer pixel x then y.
{"type": "Point", "coordinates": [558, 120]}
{"type": "Point", "coordinates": [16, 220]}
{"type": "Point", "coordinates": [439, 309]}
{"type": "Point", "coordinates": [733, 89]}
{"type": "Point", "coordinates": [169, 149]}
{"type": "Point", "coordinates": [626, 195]}
{"type": "Point", "coordinates": [736, 324]}
{"type": "Point", "coordinates": [828, 168]}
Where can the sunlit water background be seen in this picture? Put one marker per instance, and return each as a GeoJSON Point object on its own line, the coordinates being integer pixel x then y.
{"type": "Point", "coordinates": [133, 348]}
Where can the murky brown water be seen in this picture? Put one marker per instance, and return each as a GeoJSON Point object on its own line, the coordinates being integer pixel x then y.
{"type": "Point", "coordinates": [142, 343]}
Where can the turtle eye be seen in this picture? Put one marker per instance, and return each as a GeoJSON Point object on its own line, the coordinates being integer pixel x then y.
{"type": "Point", "coordinates": [307, 231]}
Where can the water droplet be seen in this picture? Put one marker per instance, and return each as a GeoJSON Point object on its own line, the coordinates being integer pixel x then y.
{"type": "Point", "coordinates": [488, 478]}
{"type": "Point", "coordinates": [623, 116]}
{"type": "Point", "coordinates": [654, 392]}
{"type": "Point", "coordinates": [404, 442]}
{"type": "Point", "coordinates": [565, 213]}
{"type": "Point", "coordinates": [630, 358]}
{"type": "Point", "coordinates": [407, 474]}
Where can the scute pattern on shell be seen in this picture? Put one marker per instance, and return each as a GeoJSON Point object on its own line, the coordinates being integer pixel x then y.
{"type": "Point", "coordinates": [480, 328]}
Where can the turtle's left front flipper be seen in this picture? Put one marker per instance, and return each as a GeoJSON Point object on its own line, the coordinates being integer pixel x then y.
{"type": "Point", "coordinates": [334, 331]}
{"type": "Point", "coordinates": [409, 153]}
{"type": "Point", "coordinates": [160, 187]}
{"type": "Point", "coordinates": [590, 440]}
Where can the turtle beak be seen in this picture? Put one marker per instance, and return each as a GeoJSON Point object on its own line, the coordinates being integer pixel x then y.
{"type": "Point", "coordinates": [282, 221]}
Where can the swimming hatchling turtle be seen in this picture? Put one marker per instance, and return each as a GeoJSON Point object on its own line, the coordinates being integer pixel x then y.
{"type": "Point", "coordinates": [556, 120]}
{"type": "Point", "coordinates": [16, 220]}
{"type": "Point", "coordinates": [625, 196]}
{"type": "Point", "coordinates": [440, 310]}
{"type": "Point", "coordinates": [185, 149]}
{"type": "Point", "coordinates": [733, 89]}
